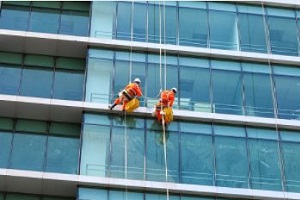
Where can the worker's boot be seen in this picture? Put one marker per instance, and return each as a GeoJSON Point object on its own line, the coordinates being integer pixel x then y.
{"type": "Point", "coordinates": [112, 106]}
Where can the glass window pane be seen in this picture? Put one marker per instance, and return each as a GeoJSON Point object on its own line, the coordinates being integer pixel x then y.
{"type": "Point", "coordinates": [225, 98]}
{"type": "Point", "coordinates": [74, 23]}
{"type": "Point", "coordinates": [37, 60]}
{"type": "Point", "coordinates": [197, 159]}
{"type": "Point", "coordinates": [92, 194]}
{"type": "Point", "coordinates": [79, 5]}
{"type": "Point", "coordinates": [223, 27]}
{"type": "Point", "coordinates": [10, 58]}
{"type": "Point", "coordinates": [68, 85]}
{"type": "Point", "coordinates": [95, 139]}
{"type": "Point", "coordinates": [117, 165]}
{"type": "Point", "coordinates": [153, 23]}
{"type": "Point", "coordinates": [124, 21]}
{"type": "Point", "coordinates": [264, 162]}
{"type": "Point", "coordinates": [139, 22]}
{"type": "Point", "coordinates": [62, 155]}
{"type": "Point", "coordinates": [10, 77]}
{"type": "Point", "coordinates": [21, 196]}
{"type": "Point", "coordinates": [44, 20]}
{"type": "Point", "coordinates": [164, 30]}
{"type": "Point", "coordinates": [65, 129]}
{"type": "Point", "coordinates": [135, 153]}
{"type": "Point", "coordinates": [194, 85]}
{"type": "Point", "coordinates": [196, 18]}
{"type": "Point", "coordinates": [6, 124]}
{"type": "Point", "coordinates": [36, 83]}
{"type": "Point", "coordinates": [47, 4]}
{"type": "Point", "coordinates": [288, 92]}
{"type": "Point", "coordinates": [291, 161]}
{"type": "Point", "coordinates": [231, 157]}
{"type": "Point", "coordinates": [283, 32]}
{"type": "Point", "coordinates": [14, 18]}
{"type": "Point", "coordinates": [258, 91]}
{"type": "Point", "coordinates": [28, 152]}
{"type": "Point", "coordinates": [169, 24]}
{"type": "Point", "coordinates": [252, 29]}
{"type": "Point", "coordinates": [70, 63]}
{"type": "Point", "coordinates": [99, 72]}
{"type": "Point", "coordinates": [5, 144]}
{"type": "Point", "coordinates": [103, 20]}
{"type": "Point", "coordinates": [31, 126]}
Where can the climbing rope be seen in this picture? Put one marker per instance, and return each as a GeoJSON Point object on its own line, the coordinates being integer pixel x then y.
{"type": "Point", "coordinates": [275, 110]}
{"type": "Point", "coordinates": [161, 86]}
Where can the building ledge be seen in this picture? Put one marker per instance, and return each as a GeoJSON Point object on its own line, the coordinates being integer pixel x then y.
{"type": "Point", "coordinates": [72, 111]}
{"type": "Point", "coordinates": [46, 183]}
{"type": "Point", "coordinates": [75, 46]}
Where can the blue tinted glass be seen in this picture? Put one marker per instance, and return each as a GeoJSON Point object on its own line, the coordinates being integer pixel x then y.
{"type": "Point", "coordinates": [162, 21]}
{"type": "Point", "coordinates": [231, 162]}
{"type": "Point", "coordinates": [283, 34]}
{"type": "Point", "coordinates": [5, 144]}
{"type": "Point", "coordinates": [124, 21]}
{"type": "Point", "coordinates": [139, 22]}
{"type": "Point", "coordinates": [226, 99]}
{"type": "Point", "coordinates": [135, 153]}
{"type": "Point", "coordinates": [9, 79]}
{"type": "Point", "coordinates": [194, 88]}
{"type": "Point", "coordinates": [74, 23]}
{"type": "Point", "coordinates": [117, 164]}
{"type": "Point", "coordinates": [264, 163]}
{"type": "Point", "coordinates": [92, 194]}
{"type": "Point", "coordinates": [36, 83]}
{"type": "Point", "coordinates": [28, 152]}
{"type": "Point", "coordinates": [288, 96]}
{"type": "Point", "coordinates": [252, 33]}
{"type": "Point", "coordinates": [197, 159]}
{"type": "Point", "coordinates": [258, 92]}
{"type": "Point", "coordinates": [169, 22]}
{"type": "Point", "coordinates": [155, 162]}
{"type": "Point", "coordinates": [223, 26]}
{"type": "Point", "coordinates": [62, 155]}
{"type": "Point", "coordinates": [14, 18]}
{"type": "Point", "coordinates": [68, 86]}
{"type": "Point", "coordinates": [44, 20]}
{"type": "Point", "coordinates": [291, 160]}
{"type": "Point", "coordinates": [196, 18]}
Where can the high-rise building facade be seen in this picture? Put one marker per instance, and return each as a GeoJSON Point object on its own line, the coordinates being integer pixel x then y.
{"type": "Point", "coordinates": [236, 128]}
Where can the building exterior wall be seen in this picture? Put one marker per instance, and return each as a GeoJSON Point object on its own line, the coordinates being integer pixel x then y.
{"type": "Point", "coordinates": [236, 128]}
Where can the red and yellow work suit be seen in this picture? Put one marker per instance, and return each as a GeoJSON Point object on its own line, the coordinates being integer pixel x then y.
{"type": "Point", "coordinates": [131, 91]}
{"type": "Point", "coordinates": [167, 98]}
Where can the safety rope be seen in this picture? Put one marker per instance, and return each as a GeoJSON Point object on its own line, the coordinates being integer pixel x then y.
{"type": "Point", "coordinates": [275, 107]}
{"type": "Point", "coordinates": [161, 86]}
{"type": "Point", "coordinates": [125, 113]}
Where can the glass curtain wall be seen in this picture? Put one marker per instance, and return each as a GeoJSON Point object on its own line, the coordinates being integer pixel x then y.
{"type": "Point", "coordinates": [193, 24]}
{"type": "Point", "coordinates": [283, 31]}
{"type": "Point", "coordinates": [70, 18]}
{"type": "Point", "coordinates": [42, 76]}
{"type": "Point", "coordinates": [39, 145]}
{"type": "Point", "coordinates": [287, 85]}
{"type": "Point", "coordinates": [115, 194]}
{"type": "Point", "coordinates": [204, 85]}
{"type": "Point", "coordinates": [197, 153]}
{"type": "Point", "coordinates": [252, 29]}
{"type": "Point", "coordinates": [218, 25]}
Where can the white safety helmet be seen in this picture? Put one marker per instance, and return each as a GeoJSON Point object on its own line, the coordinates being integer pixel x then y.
{"type": "Point", "coordinates": [137, 80]}
{"type": "Point", "coordinates": [174, 90]}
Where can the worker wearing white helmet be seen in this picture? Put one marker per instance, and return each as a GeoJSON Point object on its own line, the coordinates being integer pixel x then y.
{"type": "Point", "coordinates": [131, 91]}
{"type": "Point", "coordinates": [166, 100]}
